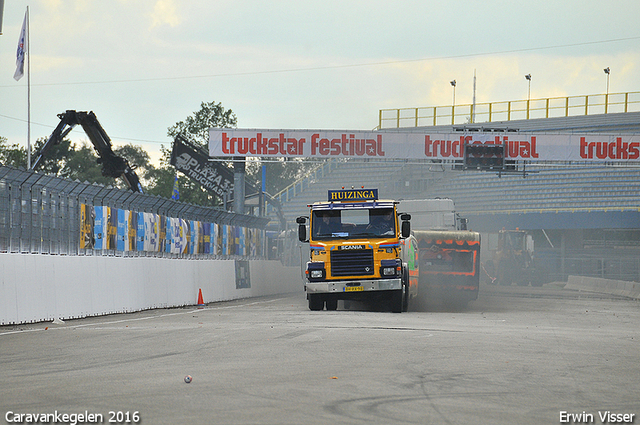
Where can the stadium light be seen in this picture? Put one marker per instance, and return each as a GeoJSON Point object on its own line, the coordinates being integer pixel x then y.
{"type": "Point", "coordinates": [528, 77]}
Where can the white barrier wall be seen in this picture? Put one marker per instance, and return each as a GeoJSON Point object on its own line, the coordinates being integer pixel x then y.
{"type": "Point", "coordinates": [35, 288]}
{"type": "Point", "coordinates": [604, 286]}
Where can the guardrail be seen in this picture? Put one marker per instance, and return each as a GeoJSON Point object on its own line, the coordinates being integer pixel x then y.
{"type": "Point", "coordinates": [554, 210]}
{"type": "Point", "coordinates": [510, 110]}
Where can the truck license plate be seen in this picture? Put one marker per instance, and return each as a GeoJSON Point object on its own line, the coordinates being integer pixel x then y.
{"type": "Point", "coordinates": [353, 288]}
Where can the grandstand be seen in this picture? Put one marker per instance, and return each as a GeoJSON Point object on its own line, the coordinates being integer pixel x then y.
{"type": "Point", "coordinates": [550, 187]}
{"type": "Point", "coordinates": [554, 187]}
{"type": "Point", "coordinates": [563, 205]}
{"type": "Point", "coordinates": [542, 188]}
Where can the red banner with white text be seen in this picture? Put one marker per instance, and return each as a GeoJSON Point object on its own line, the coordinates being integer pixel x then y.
{"type": "Point", "coordinates": [415, 145]}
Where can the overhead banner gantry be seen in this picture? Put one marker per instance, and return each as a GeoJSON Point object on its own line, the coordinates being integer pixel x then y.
{"type": "Point", "coordinates": [529, 147]}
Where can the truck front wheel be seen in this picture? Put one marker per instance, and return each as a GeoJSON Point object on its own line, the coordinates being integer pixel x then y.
{"type": "Point", "coordinates": [405, 285]}
{"type": "Point", "coordinates": [397, 301]}
{"type": "Point", "coordinates": [504, 275]}
{"type": "Point", "coordinates": [332, 304]}
{"type": "Point", "coordinates": [316, 303]}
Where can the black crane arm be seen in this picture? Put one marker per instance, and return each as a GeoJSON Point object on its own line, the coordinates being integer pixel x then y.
{"type": "Point", "coordinates": [112, 165]}
{"type": "Point", "coordinates": [59, 133]}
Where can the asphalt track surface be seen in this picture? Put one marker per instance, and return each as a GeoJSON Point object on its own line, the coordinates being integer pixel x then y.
{"type": "Point", "coordinates": [515, 356]}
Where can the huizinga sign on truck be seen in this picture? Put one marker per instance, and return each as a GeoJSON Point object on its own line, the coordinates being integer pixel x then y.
{"type": "Point", "coordinates": [361, 249]}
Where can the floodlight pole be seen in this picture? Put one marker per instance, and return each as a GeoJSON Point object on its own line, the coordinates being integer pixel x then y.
{"type": "Point", "coordinates": [1, 13]}
{"type": "Point", "coordinates": [528, 77]}
{"type": "Point", "coordinates": [607, 71]}
{"type": "Point", "coordinates": [453, 103]}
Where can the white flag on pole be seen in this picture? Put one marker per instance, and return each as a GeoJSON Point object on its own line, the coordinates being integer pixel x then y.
{"type": "Point", "coordinates": [21, 52]}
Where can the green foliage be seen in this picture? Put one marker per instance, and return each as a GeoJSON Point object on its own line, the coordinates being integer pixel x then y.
{"type": "Point", "coordinates": [280, 173]}
{"type": "Point", "coordinates": [56, 158]}
{"type": "Point", "coordinates": [137, 157]}
{"type": "Point", "coordinates": [13, 155]}
{"type": "Point", "coordinates": [70, 161]}
{"type": "Point", "coordinates": [77, 163]}
{"type": "Point", "coordinates": [161, 181]}
{"type": "Point", "coordinates": [196, 127]}
{"type": "Point", "coordinates": [83, 165]}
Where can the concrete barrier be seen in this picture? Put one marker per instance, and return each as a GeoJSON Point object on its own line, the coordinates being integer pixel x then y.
{"type": "Point", "coordinates": [604, 286]}
{"type": "Point", "coordinates": [36, 288]}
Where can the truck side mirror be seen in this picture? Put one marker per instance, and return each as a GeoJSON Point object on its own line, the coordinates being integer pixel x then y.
{"type": "Point", "coordinates": [406, 229]}
{"type": "Point", "coordinates": [302, 229]}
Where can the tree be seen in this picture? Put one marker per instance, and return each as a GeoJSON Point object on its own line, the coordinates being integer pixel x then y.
{"type": "Point", "coordinates": [57, 156]}
{"type": "Point", "coordinates": [67, 160]}
{"type": "Point", "coordinates": [161, 181]}
{"type": "Point", "coordinates": [280, 173]}
{"type": "Point", "coordinates": [137, 157]}
{"type": "Point", "coordinates": [83, 165]}
{"type": "Point", "coordinates": [70, 161]}
{"type": "Point", "coordinates": [139, 161]}
{"type": "Point", "coordinates": [195, 128]}
{"type": "Point", "coordinates": [13, 155]}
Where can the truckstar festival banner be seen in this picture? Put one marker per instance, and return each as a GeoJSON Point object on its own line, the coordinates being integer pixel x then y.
{"type": "Point", "coordinates": [415, 145]}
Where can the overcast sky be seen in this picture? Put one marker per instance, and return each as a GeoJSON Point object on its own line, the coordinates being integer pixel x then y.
{"type": "Point", "coordinates": [143, 65]}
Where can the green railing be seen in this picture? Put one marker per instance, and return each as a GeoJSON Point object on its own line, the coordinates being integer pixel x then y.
{"type": "Point", "coordinates": [510, 110]}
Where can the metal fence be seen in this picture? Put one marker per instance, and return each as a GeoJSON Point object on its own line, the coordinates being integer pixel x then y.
{"type": "Point", "coordinates": [610, 265]}
{"type": "Point", "coordinates": [41, 214]}
{"type": "Point", "coordinates": [509, 110]}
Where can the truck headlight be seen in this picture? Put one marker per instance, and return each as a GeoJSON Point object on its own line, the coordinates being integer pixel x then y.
{"type": "Point", "coordinates": [316, 271]}
{"type": "Point", "coordinates": [315, 274]}
{"type": "Point", "coordinates": [388, 271]}
{"type": "Point", "coordinates": [390, 267]}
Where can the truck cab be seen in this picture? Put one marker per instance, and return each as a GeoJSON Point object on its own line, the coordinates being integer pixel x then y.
{"type": "Point", "coordinates": [360, 249]}
{"type": "Point", "coordinates": [513, 261]}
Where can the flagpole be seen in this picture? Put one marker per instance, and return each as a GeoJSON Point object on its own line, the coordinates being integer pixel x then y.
{"type": "Point", "coordinates": [1, 13]}
{"type": "Point", "coordinates": [28, 94]}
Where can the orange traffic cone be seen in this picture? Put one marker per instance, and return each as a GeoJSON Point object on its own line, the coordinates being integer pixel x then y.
{"type": "Point", "coordinates": [200, 300]}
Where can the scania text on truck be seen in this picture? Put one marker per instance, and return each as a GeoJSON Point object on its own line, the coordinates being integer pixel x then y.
{"type": "Point", "coordinates": [359, 251]}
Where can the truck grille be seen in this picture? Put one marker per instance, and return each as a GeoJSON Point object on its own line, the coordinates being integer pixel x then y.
{"type": "Point", "coordinates": [352, 263]}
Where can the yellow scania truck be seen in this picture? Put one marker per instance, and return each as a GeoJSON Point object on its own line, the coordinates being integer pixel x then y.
{"type": "Point", "coordinates": [359, 251]}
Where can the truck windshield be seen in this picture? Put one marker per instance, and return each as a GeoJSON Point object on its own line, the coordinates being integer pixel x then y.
{"type": "Point", "coordinates": [515, 240]}
{"type": "Point", "coordinates": [360, 223]}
